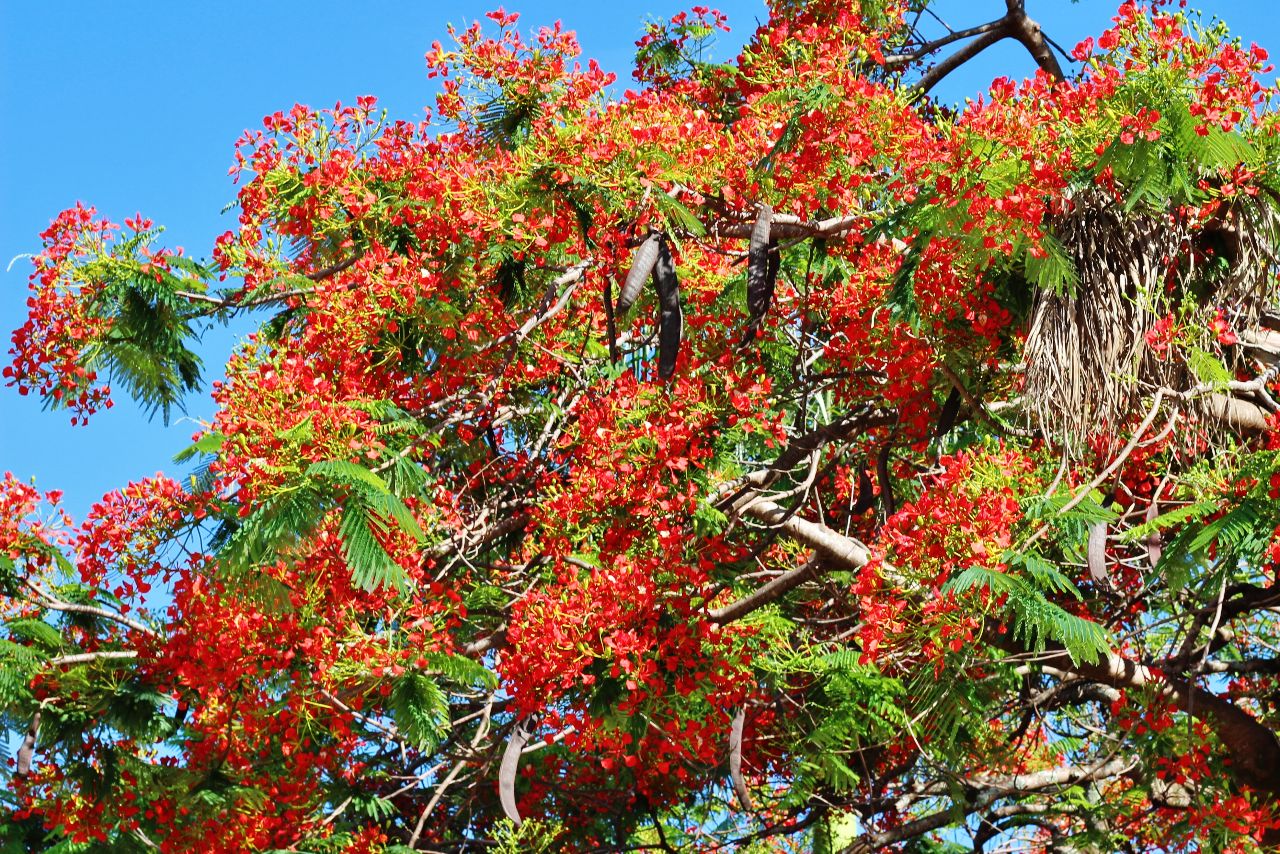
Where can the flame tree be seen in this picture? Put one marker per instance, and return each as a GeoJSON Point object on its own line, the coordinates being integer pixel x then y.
{"type": "Point", "coordinates": [768, 457]}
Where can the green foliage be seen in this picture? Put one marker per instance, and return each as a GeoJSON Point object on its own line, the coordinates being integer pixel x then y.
{"type": "Point", "coordinates": [209, 443]}
{"type": "Point", "coordinates": [148, 349]}
{"type": "Point", "coordinates": [370, 514]}
{"type": "Point", "coordinates": [1052, 271]}
{"type": "Point", "coordinates": [677, 214]}
{"type": "Point", "coordinates": [1217, 528]}
{"type": "Point", "coordinates": [1208, 368]}
{"type": "Point", "coordinates": [421, 710]}
{"type": "Point", "coordinates": [39, 633]}
{"type": "Point", "coordinates": [18, 663]}
{"type": "Point", "coordinates": [420, 706]}
{"type": "Point", "coordinates": [1036, 619]}
{"type": "Point", "coordinates": [1167, 170]}
{"type": "Point", "coordinates": [853, 706]}
{"type": "Point", "coordinates": [533, 836]}
{"type": "Point", "coordinates": [506, 120]}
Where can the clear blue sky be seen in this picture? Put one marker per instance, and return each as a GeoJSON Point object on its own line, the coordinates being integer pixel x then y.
{"type": "Point", "coordinates": [133, 106]}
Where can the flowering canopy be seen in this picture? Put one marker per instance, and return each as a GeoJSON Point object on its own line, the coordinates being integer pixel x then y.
{"type": "Point", "coordinates": [768, 456]}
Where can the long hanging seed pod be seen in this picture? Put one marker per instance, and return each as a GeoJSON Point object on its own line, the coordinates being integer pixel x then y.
{"type": "Point", "coordinates": [866, 494]}
{"type": "Point", "coordinates": [507, 771]}
{"type": "Point", "coordinates": [641, 266]}
{"type": "Point", "coordinates": [1097, 551]}
{"type": "Point", "coordinates": [1155, 544]}
{"type": "Point", "coordinates": [948, 415]}
{"type": "Point", "coordinates": [762, 272]}
{"type": "Point", "coordinates": [28, 747]}
{"type": "Point", "coordinates": [671, 324]}
{"type": "Point", "coordinates": [735, 758]}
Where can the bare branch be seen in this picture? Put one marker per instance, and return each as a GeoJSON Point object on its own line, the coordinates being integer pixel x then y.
{"type": "Point", "coordinates": [981, 800]}
{"type": "Point", "coordinates": [48, 600]}
{"type": "Point", "coordinates": [1014, 25]}
{"type": "Point", "coordinates": [83, 657]}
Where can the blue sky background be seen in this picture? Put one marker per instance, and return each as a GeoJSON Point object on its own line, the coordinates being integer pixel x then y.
{"type": "Point", "coordinates": [132, 106]}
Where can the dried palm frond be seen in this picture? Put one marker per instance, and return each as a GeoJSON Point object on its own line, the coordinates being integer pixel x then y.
{"type": "Point", "coordinates": [1246, 236]}
{"type": "Point", "coordinates": [1085, 349]}
{"type": "Point", "coordinates": [1087, 357]}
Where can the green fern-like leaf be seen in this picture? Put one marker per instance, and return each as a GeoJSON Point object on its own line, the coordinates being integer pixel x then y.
{"type": "Point", "coordinates": [38, 632]}
{"type": "Point", "coordinates": [461, 670]}
{"type": "Point", "coordinates": [277, 525]}
{"type": "Point", "coordinates": [1054, 272]}
{"type": "Point", "coordinates": [18, 663]}
{"type": "Point", "coordinates": [421, 710]}
{"type": "Point", "coordinates": [371, 565]}
{"type": "Point", "coordinates": [147, 350]}
{"type": "Point", "coordinates": [1036, 620]}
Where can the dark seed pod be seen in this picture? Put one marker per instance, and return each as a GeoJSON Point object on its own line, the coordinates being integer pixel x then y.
{"type": "Point", "coordinates": [948, 415]}
{"type": "Point", "coordinates": [1097, 551]}
{"type": "Point", "coordinates": [641, 266]}
{"type": "Point", "coordinates": [671, 324]}
{"type": "Point", "coordinates": [28, 747]}
{"type": "Point", "coordinates": [664, 279]}
{"type": "Point", "coordinates": [759, 245]}
{"type": "Point", "coordinates": [507, 772]}
{"type": "Point", "coordinates": [883, 475]}
{"type": "Point", "coordinates": [735, 758]}
{"type": "Point", "coordinates": [866, 495]}
{"type": "Point", "coordinates": [762, 271]}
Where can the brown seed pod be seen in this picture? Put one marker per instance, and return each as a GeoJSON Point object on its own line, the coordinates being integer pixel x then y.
{"type": "Point", "coordinates": [763, 261]}
{"type": "Point", "coordinates": [1097, 551]}
{"type": "Point", "coordinates": [641, 266]}
{"type": "Point", "coordinates": [1155, 543]}
{"type": "Point", "coordinates": [28, 747]}
{"type": "Point", "coordinates": [759, 245]}
{"type": "Point", "coordinates": [507, 771]}
{"type": "Point", "coordinates": [948, 415]}
{"type": "Point", "coordinates": [866, 494]}
{"type": "Point", "coordinates": [735, 758]}
{"type": "Point", "coordinates": [671, 324]}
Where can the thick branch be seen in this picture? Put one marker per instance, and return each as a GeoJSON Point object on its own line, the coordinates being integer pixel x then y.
{"type": "Point", "coordinates": [787, 226]}
{"type": "Point", "coordinates": [1254, 748]}
{"type": "Point", "coordinates": [1029, 35]}
{"type": "Point", "coordinates": [939, 72]}
{"type": "Point", "coordinates": [801, 448]}
{"type": "Point", "coordinates": [937, 44]}
{"type": "Point", "coordinates": [827, 542]}
{"type": "Point", "coordinates": [233, 302]}
{"type": "Point", "coordinates": [82, 657]}
{"type": "Point", "coordinates": [771, 592]}
{"type": "Point", "coordinates": [47, 600]}
{"type": "Point", "coordinates": [1014, 25]}
{"type": "Point", "coordinates": [984, 798]}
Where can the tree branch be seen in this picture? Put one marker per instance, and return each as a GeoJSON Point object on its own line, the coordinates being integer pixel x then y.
{"type": "Point", "coordinates": [1014, 25]}
{"type": "Point", "coordinates": [82, 657]}
{"type": "Point", "coordinates": [829, 543]}
{"type": "Point", "coordinates": [51, 602]}
{"type": "Point", "coordinates": [1254, 748]}
{"type": "Point", "coordinates": [771, 592]}
{"type": "Point", "coordinates": [984, 798]}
